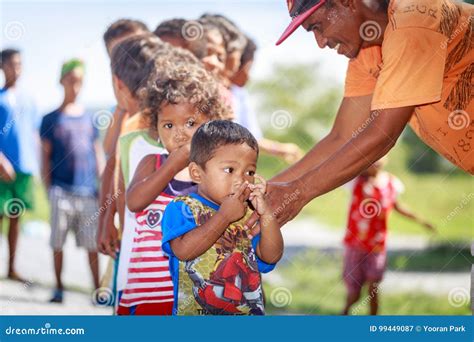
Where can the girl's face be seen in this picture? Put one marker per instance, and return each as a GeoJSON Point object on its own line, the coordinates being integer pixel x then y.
{"type": "Point", "coordinates": [216, 54]}
{"type": "Point", "coordinates": [177, 124]}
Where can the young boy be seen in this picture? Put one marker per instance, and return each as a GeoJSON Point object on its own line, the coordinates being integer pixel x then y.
{"type": "Point", "coordinates": [374, 195]}
{"type": "Point", "coordinates": [70, 169]}
{"type": "Point", "coordinates": [214, 264]}
{"type": "Point", "coordinates": [19, 122]}
{"type": "Point", "coordinates": [161, 176]}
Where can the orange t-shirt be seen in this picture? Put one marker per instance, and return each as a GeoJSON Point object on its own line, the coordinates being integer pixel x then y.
{"type": "Point", "coordinates": [426, 60]}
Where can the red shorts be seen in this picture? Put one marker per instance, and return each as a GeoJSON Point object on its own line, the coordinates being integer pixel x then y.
{"type": "Point", "coordinates": [148, 309]}
{"type": "Point", "coordinates": [361, 267]}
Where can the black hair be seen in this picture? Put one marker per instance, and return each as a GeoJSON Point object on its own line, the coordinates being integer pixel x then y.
{"type": "Point", "coordinates": [234, 39]}
{"type": "Point", "coordinates": [121, 28]}
{"type": "Point", "coordinates": [6, 54]}
{"type": "Point", "coordinates": [215, 134]}
{"type": "Point", "coordinates": [190, 32]}
{"type": "Point", "coordinates": [249, 52]}
{"type": "Point", "coordinates": [132, 59]}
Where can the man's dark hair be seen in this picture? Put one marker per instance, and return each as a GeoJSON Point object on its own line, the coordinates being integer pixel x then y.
{"type": "Point", "coordinates": [189, 32]}
{"type": "Point", "coordinates": [215, 134]}
{"type": "Point", "coordinates": [132, 60]}
{"type": "Point", "coordinates": [121, 28]}
{"type": "Point", "coordinates": [249, 52]}
{"type": "Point", "coordinates": [6, 54]}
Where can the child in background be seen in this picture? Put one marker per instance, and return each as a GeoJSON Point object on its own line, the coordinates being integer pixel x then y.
{"type": "Point", "coordinates": [70, 168]}
{"type": "Point", "coordinates": [107, 234]}
{"type": "Point", "coordinates": [374, 195]}
{"type": "Point", "coordinates": [214, 264]}
{"type": "Point", "coordinates": [244, 115]}
{"type": "Point", "coordinates": [184, 34]}
{"type": "Point", "coordinates": [19, 122]}
{"type": "Point", "coordinates": [180, 97]}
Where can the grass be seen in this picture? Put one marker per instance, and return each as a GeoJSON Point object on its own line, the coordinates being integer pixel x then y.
{"type": "Point", "coordinates": [319, 290]}
{"type": "Point", "coordinates": [446, 200]}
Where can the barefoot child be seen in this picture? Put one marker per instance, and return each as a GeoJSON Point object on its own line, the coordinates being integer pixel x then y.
{"type": "Point", "coordinates": [374, 195]}
{"type": "Point", "coordinates": [179, 98]}
{"type": "Point", "coordinates": [215, 265]}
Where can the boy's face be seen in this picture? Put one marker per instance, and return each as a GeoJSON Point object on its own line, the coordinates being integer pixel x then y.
{"type": "Point", "coordinates": [12, 68]}
{"type": "Point", "coordinates": [224, 173]}
{"type": "Point", "coordinates": [72, 82]}
{"type": "Point", "coordinates": [177, 124]}
{"type": "Point", "coordinates": [216, 54]}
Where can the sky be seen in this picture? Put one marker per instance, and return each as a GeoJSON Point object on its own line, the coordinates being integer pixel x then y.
{"type": "Point", "coordinates": [50, 32]}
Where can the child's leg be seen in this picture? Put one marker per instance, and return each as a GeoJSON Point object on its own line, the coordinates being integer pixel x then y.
{"type": "Point", "coordinates": [94, 266]}
{"type": "Point", "coordinates": [12, 244]}
{"type": "Point", "coordinates": [373, 295]}
{"type": "Point", "coordinates": [353, 276]}
{"type": "Point", "coordinates": [58, 268]}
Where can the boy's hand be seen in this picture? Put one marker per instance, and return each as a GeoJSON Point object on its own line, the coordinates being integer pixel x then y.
{"type": "Point", "coordinates": [234, 206]}
{"type": "Point", "coordinates": [180, 156]}
{"type": "Point", "coordinates": [257, 196]}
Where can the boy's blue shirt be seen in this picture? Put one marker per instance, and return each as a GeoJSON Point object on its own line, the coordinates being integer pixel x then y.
{"type": "Point", "coordinates": [178, 220]}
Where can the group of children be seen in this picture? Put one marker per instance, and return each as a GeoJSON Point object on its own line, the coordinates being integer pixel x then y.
{"type": "Point", "coordinates": [180, 181]}
{"type": "Point", "coordinates": [183, 173]}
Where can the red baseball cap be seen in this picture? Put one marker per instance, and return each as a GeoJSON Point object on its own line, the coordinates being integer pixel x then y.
{"type": "Point", "coordinates": [299, 10]}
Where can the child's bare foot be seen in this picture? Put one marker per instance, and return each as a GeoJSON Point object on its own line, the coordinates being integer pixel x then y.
{"type": "Point", "coordinates": [12, 275]}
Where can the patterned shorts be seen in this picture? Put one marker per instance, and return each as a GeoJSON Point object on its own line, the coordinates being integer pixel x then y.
{"type": "Point", "coordinates": [76, 213]}
{"type": "Point", "coordinates": [361, 266]}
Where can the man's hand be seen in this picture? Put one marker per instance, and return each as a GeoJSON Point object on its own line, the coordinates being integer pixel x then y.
{"type": "Point", "coordinates": [285, 200]}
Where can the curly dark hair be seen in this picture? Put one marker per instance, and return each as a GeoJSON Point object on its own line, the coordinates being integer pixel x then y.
{"type": "Point", "coordinates": [176, 81]}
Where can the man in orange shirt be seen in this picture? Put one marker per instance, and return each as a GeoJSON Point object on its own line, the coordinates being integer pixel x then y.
{"type": "Point", "coordinates": [411, 62]}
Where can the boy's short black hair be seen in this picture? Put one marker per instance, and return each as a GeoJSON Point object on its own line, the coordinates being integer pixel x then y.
{"type": "Point", "coordinates": [215, 134]}
{"type": "Point", "coordinates": [249, 52]}
{"type": "Point", "coordinates": [190, 32]}
{"type": "Point", "coordinates": [6, 54]}
{"type": "Point", "coordinates": [121, 28]}
{"type": "Point", "coordinates": [132, 59]}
